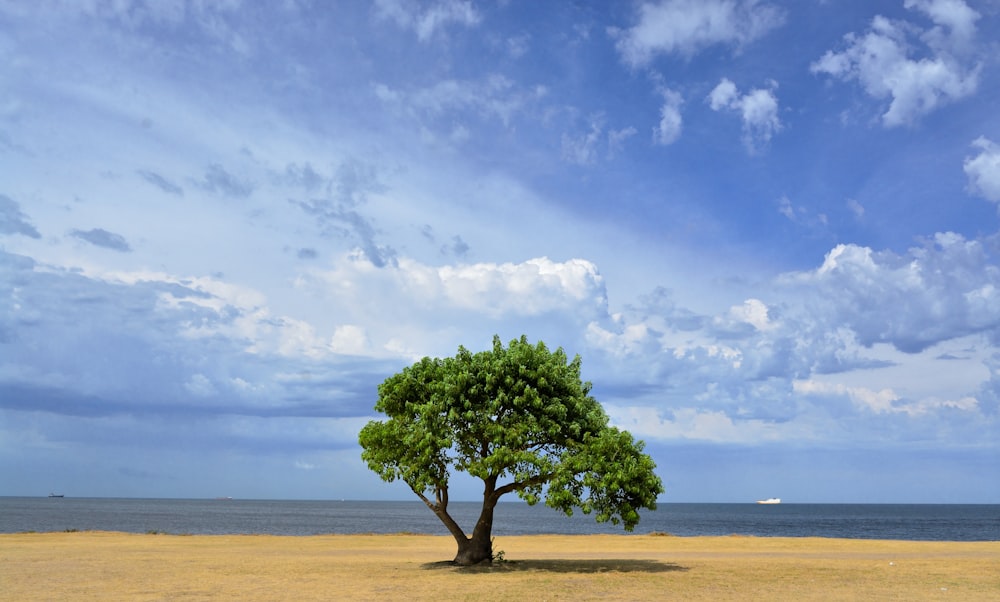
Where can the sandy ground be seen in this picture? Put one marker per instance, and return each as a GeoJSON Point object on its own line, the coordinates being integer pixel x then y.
{"type": "Point", "coordinates": [118, 566]}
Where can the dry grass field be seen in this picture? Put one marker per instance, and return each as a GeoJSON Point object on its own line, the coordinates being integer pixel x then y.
{"type": "Point", "coordinates": [118, 566]}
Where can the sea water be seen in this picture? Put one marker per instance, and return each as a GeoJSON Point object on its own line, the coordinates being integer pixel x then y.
{"type": "Point", "coordinates": [932, 522]}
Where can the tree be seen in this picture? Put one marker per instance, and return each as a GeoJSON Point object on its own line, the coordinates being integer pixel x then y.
{"type": "Point", "coordinates": [520, 419]}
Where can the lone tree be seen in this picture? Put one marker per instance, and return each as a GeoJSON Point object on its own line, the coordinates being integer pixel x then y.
{"type": "Point", "coordinates": [520, 419]}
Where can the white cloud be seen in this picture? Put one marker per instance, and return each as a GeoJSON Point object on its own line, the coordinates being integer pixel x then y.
{"type": "Point", "coordinates": [669, 129]}
{"type": "Point", "coordinates": [632, 339]}
{"type": "Point", "coordinates": [695, 424]}
{"type": "Point", "coordinates": [723, 95]}
{"type": "Point", "coordinates": [758, 110]}
{"type": "Point", "coordinates": [955, 23]}
{"type": "Point", "coordinates": [427, 22]}
{"type": "Point", "coordinates": [236, 312]}
{"type": "Point", "coordinates": [879, 402]}
{"type": "Point", "coordinates": [350, 339]}
{"type": "Point", "coordinates": [880, 61]}
{"type": "Point", "coordinates": [533, 287]}
{"type": "Point", "coordinates": [900, 336]}
{"type": "Point", "coordinates": [753, 312]}
{"type": "Point", "coordinates": [884, 401]}
{"type": "Point", "coordinates": [944, 290]}
{"type": "Point", "coordinates": [983, 170]}
{"type": "Point", "coordinates": [430, 304]}
{"type": "Point", "coordinates": [687, 26]}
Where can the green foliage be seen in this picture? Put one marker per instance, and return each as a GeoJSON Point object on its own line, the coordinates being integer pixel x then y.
{"type": "Point", "coordinates": [520, 419]}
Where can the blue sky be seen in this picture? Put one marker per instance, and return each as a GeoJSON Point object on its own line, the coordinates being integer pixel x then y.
{"type": "Point", "coordinates": [769, 228]}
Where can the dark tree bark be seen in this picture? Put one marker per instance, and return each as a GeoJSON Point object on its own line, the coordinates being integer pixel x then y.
{"type": "Point", "coordinates": [479, 547]}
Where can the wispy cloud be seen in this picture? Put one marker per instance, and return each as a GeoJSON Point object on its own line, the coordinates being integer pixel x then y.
{"type": "Point", "coordinates": [160, 182]}
{"type": "Point", "coordinates": [13, 220]}
{"type": "Point", "coordinates": [338, 214]}
{"type": "Point", "coordinates": [668, 130]}
{"type": "Point", "coordinates": [99, 237]}
{"type": "Point", "coordinates": [428, 21]}
{"type": "Point", "coordinates": [494, 96]}
{"type": "Point", "coordinates": [220, 181]}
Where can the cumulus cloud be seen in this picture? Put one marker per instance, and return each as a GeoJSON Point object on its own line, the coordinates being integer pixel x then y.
{"type": "Point", "coordinates": [822, 321]}
{"type": "Point", "coordinates": [881, 60]}
{"type": "Point", "coordinates": [350, 339]}
{"type": "Point", "coordinates": [535, 287]}
{"type": "Point", "coordinates": [427, 21]}
{"type": "Point", "coordinates": [944, 290]}
{"type": "Point", "coordinates": [100, 237]}
{"type": "Point", "coordinates": [13, 220]}
{"type": "Point", "coordinates": [954, 23]}
{"type": "Point", "coordinates": [758, 110]}
{"type": "Point", "coordinates": [817, 353]}
{"type": "Point", "coordinates": [983, 170]}
{"type": "Point", "coordinates": [685, 27]}
{"type": "Point", "coordinates": [671, 123]}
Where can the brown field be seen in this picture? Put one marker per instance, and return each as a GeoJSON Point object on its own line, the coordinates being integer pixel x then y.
{"type": "Point", "coordinates": [118, 566]}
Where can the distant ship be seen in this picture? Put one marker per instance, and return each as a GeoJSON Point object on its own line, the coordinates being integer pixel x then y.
{"type": "Point", "coordinates": [770, 500]}
{"type": "Point", "coordinates": [56, 495]}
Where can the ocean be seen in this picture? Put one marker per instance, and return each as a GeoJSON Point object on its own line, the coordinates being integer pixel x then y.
{"type": "Point", "coordinates": [931, 522]}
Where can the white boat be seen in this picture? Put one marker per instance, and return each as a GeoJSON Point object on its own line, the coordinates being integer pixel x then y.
{"type": "Point", "coordinates": [770, 500]}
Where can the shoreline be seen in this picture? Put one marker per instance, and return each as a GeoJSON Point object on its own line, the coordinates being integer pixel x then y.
{"type": "Point", "coordinates": [373, 534]}
{"type": "Point", "coordinates": [129, 566]}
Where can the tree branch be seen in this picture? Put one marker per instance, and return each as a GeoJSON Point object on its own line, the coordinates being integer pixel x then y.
{"type": "Point", "coordinates": [440, 510]}
{"type": "Point", "coordinates": [519, 485]}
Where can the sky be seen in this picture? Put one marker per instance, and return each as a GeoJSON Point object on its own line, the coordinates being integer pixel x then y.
{"type": "Point", "coordinates": [769, 228]}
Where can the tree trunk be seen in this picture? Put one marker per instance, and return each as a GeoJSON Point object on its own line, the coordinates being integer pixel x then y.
{"type": "Point", "coordinates": [475, 549]}
{"type": "Point", "coordinates": [479, 547]}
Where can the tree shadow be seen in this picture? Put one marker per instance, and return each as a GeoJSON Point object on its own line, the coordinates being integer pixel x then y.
{"type": "Point", "coordinates": [559, 565]}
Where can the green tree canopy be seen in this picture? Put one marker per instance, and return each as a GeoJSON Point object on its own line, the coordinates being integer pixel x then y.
{"type": "Point", "coordinates": [518, 418]}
